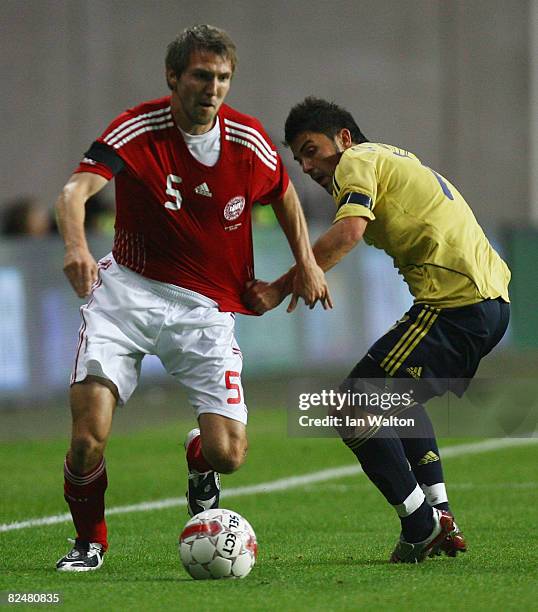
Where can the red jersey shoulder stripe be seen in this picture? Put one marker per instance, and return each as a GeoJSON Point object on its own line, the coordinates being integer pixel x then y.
{"type": "Point", "coordinates": [149, 128]}
{"type": "Point", "coordinates": [257, 135]}
{"type": "Point", "coordinates": [252, 147]}
{"type": "Point", "coordinates": [253, 140]}
{"type": "Point", "coordinates": [127, 130]}
{"type": "Point", "coordinates": [127, 134]}
{"type": "Point", "coordinates": [270, 156]}
{"type": "Point", "coordinates": [127, 122]}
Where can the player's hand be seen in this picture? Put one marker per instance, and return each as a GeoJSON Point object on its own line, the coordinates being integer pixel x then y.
{"type": "Point", "coordinates": [261, 296]}
{"type": "Point", "coordinates": [309, 283]}
{"type": "Point", "coordinates": [81, 270]}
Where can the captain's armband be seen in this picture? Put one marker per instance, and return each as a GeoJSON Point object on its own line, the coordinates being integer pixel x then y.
{"type": "Point", "coordinates": [103, 154]}
{"type": "Point", "coordinates": [354, 197]}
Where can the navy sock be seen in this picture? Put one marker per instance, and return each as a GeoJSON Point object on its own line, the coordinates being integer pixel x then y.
{"type": "Point", "coordinates": [383, 460]}
{"type": "Point", "coordinates": [418, 526]}
{"type": "Point", "coordinates": [422, 452]}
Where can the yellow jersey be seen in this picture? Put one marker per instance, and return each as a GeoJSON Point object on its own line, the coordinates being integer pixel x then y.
{"type": "Point", "coordinates": [421, 220]}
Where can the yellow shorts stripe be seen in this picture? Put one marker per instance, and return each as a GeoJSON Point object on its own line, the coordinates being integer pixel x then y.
{"type": "Point", "coordinates": [414, 329]}
{"type": "Point", "coordinates": [414, 343]}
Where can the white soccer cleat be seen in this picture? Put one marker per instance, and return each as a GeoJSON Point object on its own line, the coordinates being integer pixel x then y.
{"type": "Point", "coordinates": [84, 557]}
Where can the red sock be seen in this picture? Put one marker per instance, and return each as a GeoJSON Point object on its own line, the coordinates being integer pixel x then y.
{"type": "Point", "coordinates": [195, 459]}
{"type": "Point", "coordinates": [85, 494]}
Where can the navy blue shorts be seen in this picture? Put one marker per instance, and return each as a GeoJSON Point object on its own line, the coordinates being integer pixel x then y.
{"type": "Point", "coordinates": [437, 344]}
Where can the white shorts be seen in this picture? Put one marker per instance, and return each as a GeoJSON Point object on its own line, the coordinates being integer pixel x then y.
{"type": "Point", "coordinates": [129, 316]}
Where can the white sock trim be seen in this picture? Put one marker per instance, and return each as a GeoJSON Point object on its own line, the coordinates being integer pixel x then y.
{"type": "Point", "coordinates": [435, 494]}
{"type": "Point", "coordinates": [86, 479]}
{"type": "Point", "coordinates": [411, 503]}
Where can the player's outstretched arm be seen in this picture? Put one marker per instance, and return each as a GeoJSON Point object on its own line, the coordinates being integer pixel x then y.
{"type": "Point", "coordinates": [79, 265]}
{"type": "Point", "coordinates": [329, 249]}
{"type": "Point", "coordinates": [338, 241]}
{"type": "Point", "coordinates": [309, 280]}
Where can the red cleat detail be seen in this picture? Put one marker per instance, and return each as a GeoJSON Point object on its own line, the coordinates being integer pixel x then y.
{"type": "Point", "coordinates": [195, 458]}
{"type": "Point", "coordinates": [452, 544]}
{"type": "Point", "coordinates": [445, 529]}
{"type": "Point", "coordinates": [447, 526]}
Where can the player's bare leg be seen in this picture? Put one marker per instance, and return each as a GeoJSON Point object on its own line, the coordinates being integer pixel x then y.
{"type": "Point", "coordinates": [224, 442]}
{"type": "Point", "coordinates": [220, 445]}
{"type": "Point", "coordinates": [92, 407]}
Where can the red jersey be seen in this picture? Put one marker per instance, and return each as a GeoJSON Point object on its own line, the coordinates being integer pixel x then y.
{"type": "Point", "coordinates": [177, 220]}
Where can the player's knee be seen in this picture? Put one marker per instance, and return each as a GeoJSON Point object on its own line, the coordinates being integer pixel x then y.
{"type": "Point", "coordinates": [85, 452]}
{"type": "Point", "coordinates": [226, 457]}
{"type": "Point", "coordinates": [224, 442]}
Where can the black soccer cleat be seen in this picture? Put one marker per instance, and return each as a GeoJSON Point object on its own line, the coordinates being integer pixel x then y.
{"type": "Point", "coordinates": [84, 557]}
{"type": "Point", "coordinates": [204, 487]}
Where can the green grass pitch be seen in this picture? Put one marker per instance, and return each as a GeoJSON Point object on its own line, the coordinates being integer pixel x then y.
{"type": "Point", "coordinates": [322, 546]}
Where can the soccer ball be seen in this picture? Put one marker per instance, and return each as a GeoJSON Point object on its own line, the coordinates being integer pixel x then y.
{"type": "Point", "coordinates": [218, 543]}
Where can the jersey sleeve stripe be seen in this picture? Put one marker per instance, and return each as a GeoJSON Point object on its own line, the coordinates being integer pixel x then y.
{"type": "Point", "coordinates": [135, 126]}
{"type": "Point", "coordinates": [254, 148]}
{"type": "Point", "coordinates": [148, 128]}
{"type": "Point", "coordinates": [254, 138]}
{"type": "Point", "coordinates": [246, 128]}
{"type": "Point", "coordinates": [122, 126]}
{"type": "Point", "coordinates": [254, 141]}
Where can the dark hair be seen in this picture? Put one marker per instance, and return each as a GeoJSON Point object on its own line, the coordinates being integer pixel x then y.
{"type": "Point", "coordinates": [199, 37]}
{"type": "Point", "coordinates": [317, 115]}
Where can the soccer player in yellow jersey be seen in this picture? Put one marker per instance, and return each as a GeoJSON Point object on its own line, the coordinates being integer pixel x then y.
{"type": "Point", "coordinates": [388, 197]}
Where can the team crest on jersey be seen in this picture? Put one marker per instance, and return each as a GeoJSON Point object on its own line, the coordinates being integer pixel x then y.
{"type": "Point", "coordinates": [234, 208]}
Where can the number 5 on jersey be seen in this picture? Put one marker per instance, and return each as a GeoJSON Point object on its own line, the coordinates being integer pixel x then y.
{"type": "Point", "coordinates": [236, 397]}
{"type": "Point", "coordinates": [172, 181]}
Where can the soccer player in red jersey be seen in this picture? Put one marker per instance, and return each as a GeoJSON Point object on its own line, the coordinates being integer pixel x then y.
{"type": "Point", "coordinates": [187, 171]}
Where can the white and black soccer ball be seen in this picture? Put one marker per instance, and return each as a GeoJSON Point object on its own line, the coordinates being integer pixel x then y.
{"type": "Point", "coordinates": [218, 543]}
